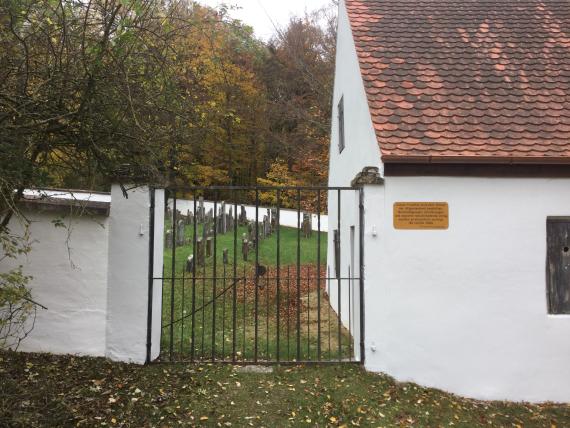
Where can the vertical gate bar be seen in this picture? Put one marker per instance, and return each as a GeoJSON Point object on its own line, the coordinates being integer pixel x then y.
{"type": "Point", "coordinates": [288, 312]}
{"type": "Point", "coordinates": [256, 278]}
{"type": "Point", "coordinates": [278, 223]}
{"type": "Point", "coordinates": [173, 274]}
{"type": "Point", "coordinates": [216, 195]}
{"type": "Point", "coordinates": [224, 316]}
{"type": "Point", "coordinates": [202, 308]}
{"type": "Point", "coordinates": [234, 298]}
{"type": "Point", "coordinates": [150, 276]}
{"type": "Point", "coordinates": [361, 274]}
{"type": "Point", "coordinates": [339, 280]}
{"type": "Point", "coordinates": [349, 314]}
{"type": "Point", "coordinates": [298, 274]}
{"type": "Point", "coordinates": [162, 299]}
{"type": "Point", "coordinates": [244, 309]}
{"type": "Point", "coordinates": [182, 317]}
{"type": "Point", "coordinates": [318, 275]}
{"type": "Point", "coordinates": [267, 314]}
{"type": "Point", "coordinates": [194, 282]}
{"type": "Point", "coordinates": [308, 312]}
{"type": "Point", "coordinates": [329, 308]}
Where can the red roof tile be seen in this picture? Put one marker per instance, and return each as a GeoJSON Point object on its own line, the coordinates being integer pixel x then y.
{"type": "Point", "coordinates": [466, 80]}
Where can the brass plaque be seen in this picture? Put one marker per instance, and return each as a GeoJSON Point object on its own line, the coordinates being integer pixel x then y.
{"type": "Point", "coordinates": [421, 215]}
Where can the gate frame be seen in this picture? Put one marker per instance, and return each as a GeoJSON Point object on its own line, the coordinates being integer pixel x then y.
{"type": "Point", "coordinates": [257, 189]}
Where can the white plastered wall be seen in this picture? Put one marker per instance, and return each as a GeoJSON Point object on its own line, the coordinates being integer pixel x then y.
{"type": "Point", "coordinates": [465, 309]}
{"type": "Point", "coordinates": [361, 150]}
{"type": "Point", "coordinates": [361, 145]}
{"type": "Point", "coordinates": [93, 277]}
{"type": "Point", "coordinates": [69, 270]}
{"type": "Point", "coordinates": [157, 272]}
{"type": "Point", "coordinates": [128, 275]}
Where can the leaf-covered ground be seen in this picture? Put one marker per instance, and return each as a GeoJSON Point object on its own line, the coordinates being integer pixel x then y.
{"type": "Point", "coordinates": [45, 390]}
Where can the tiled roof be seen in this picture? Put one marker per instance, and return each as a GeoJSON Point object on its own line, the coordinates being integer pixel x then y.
{"type": "Point", "coordinates": [466, 80]}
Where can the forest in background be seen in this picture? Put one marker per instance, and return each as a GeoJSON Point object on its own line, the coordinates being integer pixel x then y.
{"type": "Point", "coordinates": [176, 93]}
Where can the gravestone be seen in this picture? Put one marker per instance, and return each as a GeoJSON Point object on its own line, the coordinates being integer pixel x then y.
{"type": "Point", "coordinates": [190, 264]}
{"type": "Point", "coordinates": [201, 210]}
{"type": "Point", "coordinates": [225, 256]}
{"type": "Point", "coordinates": [200, 252]}
{"type": "Point", "coordinates": [218, 224]}
{"type": "Point", "coordinates": [209, 247]}
{"type": "Point", "coordinates": [244, 248]}
{"type": "Point", "coordinates": [307, 225]}
{"type": "Point", "coordinates": [180, 238]}
{"type": "Point", "coordinates": [242, 216]}
{"type": "Point", "coordinates": [231, 220]}
{"type": "Point", "coordinates": [168, 239]}
{"type": "Point", "coordinates": [273, 219]}
{"type": "Point", "coordinates": [224, 225]}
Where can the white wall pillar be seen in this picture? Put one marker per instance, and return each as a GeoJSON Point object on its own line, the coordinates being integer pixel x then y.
{"type": "Point", "coordinates": [128, 275]}
{"type": "Point", "coordinates": [157, 272]}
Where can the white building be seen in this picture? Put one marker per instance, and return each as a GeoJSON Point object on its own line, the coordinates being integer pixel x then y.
{"type": "Point", "coordinates": [464, 109]}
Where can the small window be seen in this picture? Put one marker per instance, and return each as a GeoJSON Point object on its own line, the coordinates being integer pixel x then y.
{"type": "Point", "coordinates": [341, 125]}
{"type": "Point", "coordinates": [558, 265]}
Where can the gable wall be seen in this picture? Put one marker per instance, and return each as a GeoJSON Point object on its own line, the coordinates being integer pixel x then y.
{"type": "Point", "coordinates": [361, 150]}
{"type": "Point", "coordinates": [361, 143]}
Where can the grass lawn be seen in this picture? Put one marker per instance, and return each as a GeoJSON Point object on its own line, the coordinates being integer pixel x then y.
{"type": "Point", "coordinates": [267, 250]}
{"type": "Point", "coordinates": [44, 390]}
{"type": "Point", "coordinates": [196, 296]}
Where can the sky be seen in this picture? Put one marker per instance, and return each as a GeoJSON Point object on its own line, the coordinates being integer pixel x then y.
{"type": "Point", "coordinates": [260, 13]}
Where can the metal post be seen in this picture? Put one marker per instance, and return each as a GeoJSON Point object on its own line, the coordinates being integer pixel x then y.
{"type": "Point", "coordinates": [223, 314]}
{"type": "Point", "coordinates": [318, 275]}
{"type": "Point", "coordinates": [195, 262]}
{"type": "Point", "coordinates": [150, 277]}
{"type": "Point", "coordinates": [361, 279]}
{"type": "Point", "coordinates": [278, 223]}
{"type": "Point", "coordinates": [214, 277]}
{"type": "Point", "coordinates": [234, 308]}
{"type": "Point", "coordinates": [308, 313]}
{"type": "Point", "coordinates": [256, 272]}
{"type": "Point", "coordinates": [183, 317]}
{"type": "Point", "coordinates": [298, 275]}
{"type": "Point", "coordinates": [173, 274]}
{"type": "Point", "coordinates": [339, 281]}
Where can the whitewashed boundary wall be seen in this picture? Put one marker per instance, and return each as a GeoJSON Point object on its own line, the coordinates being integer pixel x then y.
{"type": "Point", "coordinates": [93, 274]}
{"type": "Point", "coordinates": [288, 218]}
{"type": "Point", "coordinates": [69, 270]}
{"type": "Point", "coordinates": [128, 274]}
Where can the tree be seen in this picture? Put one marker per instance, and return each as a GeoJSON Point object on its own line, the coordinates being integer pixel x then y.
{"type": "Point", "coordinates": [85, 95]}
{"type": "Point", "coordinates": [299, 76]}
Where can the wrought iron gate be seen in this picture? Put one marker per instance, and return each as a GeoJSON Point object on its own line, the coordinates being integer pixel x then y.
{"type": "Point", "coordinates": [261, 275]}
